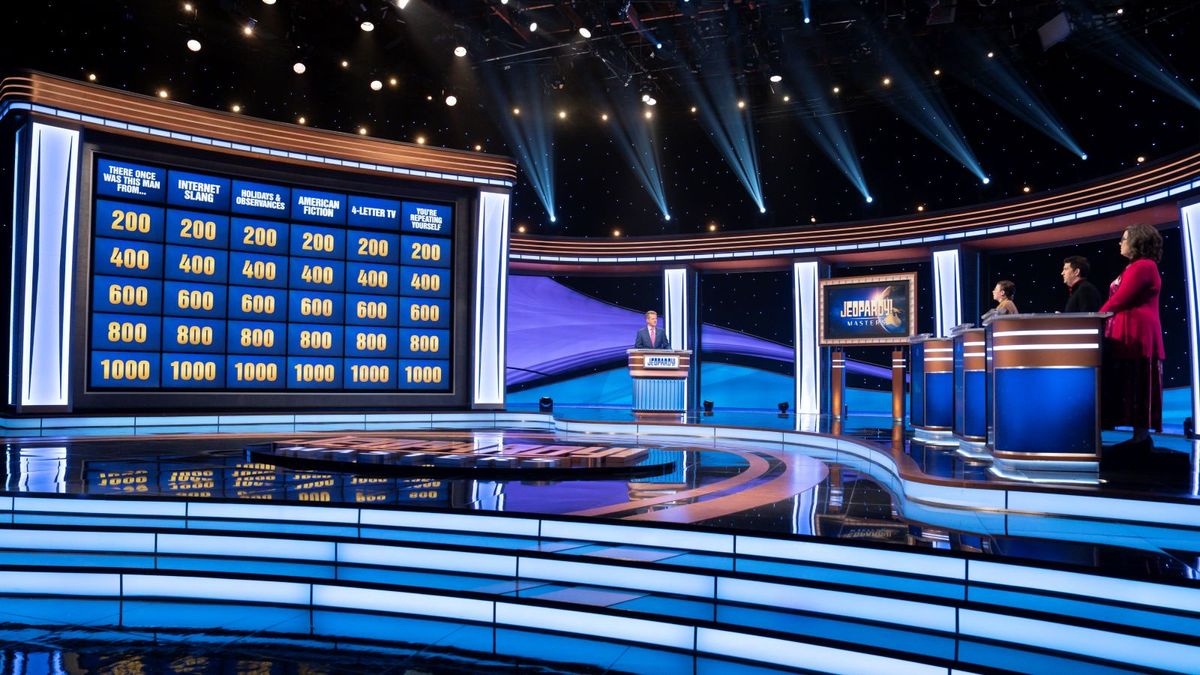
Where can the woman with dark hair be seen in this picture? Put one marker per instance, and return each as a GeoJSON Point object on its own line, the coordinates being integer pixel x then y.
{"type": "Point", "coordinates": [1133, 340]}
{"type": "Point", "coordinates": [1003, 293]}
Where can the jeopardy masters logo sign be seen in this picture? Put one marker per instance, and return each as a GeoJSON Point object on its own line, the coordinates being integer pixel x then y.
{"type": "Point", "coordinates": [877, 309]}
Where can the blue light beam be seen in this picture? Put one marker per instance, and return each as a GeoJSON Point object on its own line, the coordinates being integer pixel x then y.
{"type": "Point", "coordinates": [825, 125]}
{"type": "Point", "coordinates": [730, 128]}
{"type": "Point", "coordinates": [1129, 55]}
{"type": "Point", "coordinates": [636, 141]}
{"type": "Point", "coordinates": [527, 131]}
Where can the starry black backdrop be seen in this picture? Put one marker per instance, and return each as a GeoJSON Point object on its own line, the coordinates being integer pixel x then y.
{"type": "Point", "coordinates": [139, 45]}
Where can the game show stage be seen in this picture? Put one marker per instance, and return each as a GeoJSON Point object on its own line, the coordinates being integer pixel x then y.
{"type": "Point", "coordinates": [274, 398]}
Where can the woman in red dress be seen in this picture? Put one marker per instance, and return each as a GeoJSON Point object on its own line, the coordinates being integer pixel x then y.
{"type": "Point", "coordinates": [1133, 339]}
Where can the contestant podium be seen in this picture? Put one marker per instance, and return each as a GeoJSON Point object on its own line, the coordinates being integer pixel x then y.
{"type": "Point", "coordinates": [931, 382]}
{"type": "Point", "coordinates": [970, 386]}
{"type": "Point", "coordinates": [659, 380]}
{"type": "Point", "coordinates": [1044, 381]}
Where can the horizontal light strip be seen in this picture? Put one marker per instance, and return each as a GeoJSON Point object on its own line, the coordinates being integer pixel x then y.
{"type": "Point", "coordinates": [1047, 331]}
{"type": "Point", "coordinates": [428, 559]}
{"type": "Point", "coordinates": [1057, 345]}
{"type": "Point", "coordinates": [400, 602]}
{"type": "Point", "coordinates": [839, 603]}
{"type": "Point", "coordinates": [61, 583]}
{"type": "Point", "coordinates": [249, 547]}
{"type": "Point", "coordinates": [597, 625]}
{"type": "Point", "coordinates": [656, 581]}
{"type": "Point", "coordinates": [214, 588]}
{"type": "Point", "coordinates": [940, 349]}
{"type": "Point", "coordinates": [639, 536]}
{"type": "Point", "coordinates": [54, 540]}
{"type": "Point", "coordinates": [454, 522]}
{"type": "Point", "coordinates": [122, 507]}
{"type": "Point", "coordinates": [1089, 586]}
{"type": "Point", "coordinates": [939, 358]}
{"type": "Point", "coordinates": [974, 344]}
{"type": "Point", "coordinates": [204, 140]}
{"type": "Point", "coordinates": [320, 514]}
{"type": "Point", "coordinates": [802, 655]}
{"type": "Point", "coordinates": [875, 559]}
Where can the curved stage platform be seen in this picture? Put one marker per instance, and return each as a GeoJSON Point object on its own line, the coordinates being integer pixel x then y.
{"type": "Point", "coordinates": [744, 549]}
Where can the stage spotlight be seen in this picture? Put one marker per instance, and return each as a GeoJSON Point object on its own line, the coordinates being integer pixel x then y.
{"type": "Point", "coordinates": [516, 111]}
{"type": "Point", "coordinates": [1141, 159]}
{"type": "Point", "coordinates": [762, 209]}
{"type": "Point", "coordinates": [562, 114]}
{"type": "Point", "coordinates": [741, 105]}
{"type": "Point", "coordinates": [299, 68]}
{"type": "Point", "coordinates": [545, 404]}
{"type": "Point", "coordinates": [658, 45]}
{"type": "Point", "coordinates": [402, 3]}
{"type": "Point", "coordinates": [986, 180]}
{"type": "Point", "coordinates": [193, 45]}
{"type": "Point", "coordinates": [91, 77]}
{"type": "Point", "coordinates": [887, 81]}
{"type": "Point", "coordinates": [604, 117]}
{"type": "Point", "coordinates": [362, 131]}
{"type": "Point", "coordinates": [451, 101]}
{"type": "Point", "coordinates": [533, 27]}
{"type": "Point", "coordinates": [667, 216]}
{"type": "Point", "coordinates": [651, 101]}
{"type": "Point", "coordinates": [302, 120]}
{"type": "Point", "coordinates": [367, 26]}
{"type": "Point", "coordinates": [268, 2]}
{"type": "Point", "coordinates": [248, 29]}
{"type": "Point", "coordinates": [420, 140]}
{"type": "Point", "coordinates": [807, 20]}
{"type": "Point", "coordinates": [1083, 157]}
{"type": "Point", "coordinates": [236, 108]}
{"type": "Point", "coordinates": [616, 233]}
{"type": "Point", "coordinates": [777, 78]}
{"type": "Point", "coordinates": [937, 71]}
{"type": "Point", "coordinates": [585, 32]}
{"type": "Point", "coordinates": [645, 97]}
{"type": "Point", "coordinates": [786, 98]}
{"type": "Point", "coordinates": [870, 199]}
{"type": "Point", "coordinates": [553, 218]}
{"type": "Point", "coordinates": [991, 55]}
{"type": "Point", "coordinates": [460, 51]}
{"type": "Point", "coordinates": [376, 85]}
{"type": "Point", "coordinates": [783, 407]}
{"type": "Point", "coordinates": [163, 93]}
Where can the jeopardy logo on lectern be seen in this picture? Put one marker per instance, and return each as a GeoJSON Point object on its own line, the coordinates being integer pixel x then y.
{"type": "Point", "coordinates": [867, 310]}
{"type": "Point", "coordinates": [210, 283]}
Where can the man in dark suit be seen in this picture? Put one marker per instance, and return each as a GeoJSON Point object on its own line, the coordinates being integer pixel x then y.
{"type": "Point", "coordinates": [1084, 296]}
{"type": "Point", "coordinates": [650, 336]}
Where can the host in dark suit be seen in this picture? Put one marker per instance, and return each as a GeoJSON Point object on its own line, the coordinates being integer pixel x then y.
{"type": "Point", "coordinates": [1084, 296]}
{"type": "Point", "coordinates": [650, 336]}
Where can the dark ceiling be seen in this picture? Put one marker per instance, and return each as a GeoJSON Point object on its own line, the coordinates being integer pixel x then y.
{"type": "Point", "coordinates": [1016, 113]}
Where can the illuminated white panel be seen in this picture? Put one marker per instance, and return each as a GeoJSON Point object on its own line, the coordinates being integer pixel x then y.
{"type": "Point", "coordinates": [123, 507]}
{"type": "Point", "coordinates": [808, 657]}
{"type": "Point", "coordinates": [1101, 507]}
{"type": "Point", "coordinates": [1078, 640]}
{"type": "Point", "coordinates": [49, 238]}
{"type": "Point", "coordinates": [854, 556]}
{"type": "Point", "coordinates": [1087, 585]}
{"type": "Point", "coordinates": [13, 285]}
{"type": "Point", "coordinates": [1045, 331]}
{"type": "Point", "coordinates": [946, 291]}
{"type": "Point", "coordinates": [596, 625]}
{"type": "Point", "coordinates": [451, 521]}
{"type": "Point", "coordinates": [213, 588]}
{"type": "Point", "coordinates": [659, 581]}
{"type": "Point", "coordinates": [808, 352]}
{"type": "Point", "coordinates": [491, 298]}
{"type": "Point", "coordinates": [443, 607]}
{"type": "Point", "coordinates": [61, 583]}
{"type": "Point", "coordinates": [249, 547]}
{"type": "Point", "coordinates": [429, 559]}
{"type": "Point", "coordinates": [900, 612]}
{"type": "Point", "coordinates": [639, 536]}
{"type": "Point", "coordinates": [47, 540]}
{"type": "Point", "coordinates": [1191, 258]}
{"type": "Point", "coordinates": [676, 304]}
{"type": "Point", "coordinates": [316, 514]}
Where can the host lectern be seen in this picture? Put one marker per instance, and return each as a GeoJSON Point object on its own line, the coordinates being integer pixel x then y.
{"type": "Point", "coordinates": [659, 380]}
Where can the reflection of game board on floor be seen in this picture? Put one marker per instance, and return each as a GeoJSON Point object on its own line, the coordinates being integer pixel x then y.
{"type": "Point", "coordinates": [372, 454]}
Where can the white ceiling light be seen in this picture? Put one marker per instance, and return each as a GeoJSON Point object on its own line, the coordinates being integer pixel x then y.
{"type": "Point", "coordinates": [402, 3]}
{"type": "Point", "coordinates": [193, 45]}
{"type": "Point", "coordinates": [777, 78]}
{"type": "Point", "coordinates": [367, 26]}
{"type": "Point", "coordinates": [585, 32]}
{"type": "Point", "coordinates": [376, 85]}
{"type": "Point", "coordinates": [268, 2]}
{"type": "Point", "coordinates": [299, 68]}
{"type": "Point", "coordinates": [460, 51]}
{"type": "Point", "coordinates": [651, 101]}
{"type": "Point", "coordinates": [533, 27]}
{"type": "Point", "coordinates": [452, 101]}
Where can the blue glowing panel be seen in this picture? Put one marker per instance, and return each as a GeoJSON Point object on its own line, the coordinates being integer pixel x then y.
{"type": "Point", "coordinates": [134, 370]}
{"type": "Point", "coordinates": [263, 304]}
{"type": "Point", "coordinates": [383, 214]}
{"type": "Point", "coordinates": [1025, 394]}
{"type": "Point", "coordinates": [312, 241]}
{"type": "Point", "coordinates": [939, 400]}
{"type": "Point", "coordinates": [201, 336]}
{"type": "Point", "coordinates": [262, 236]}
{"type": "Point", "coordinates": [259, 199]}
{"type": "Point", "coordinates": [314, 307]}
{"type": "Point", "coordinates": [424, 313]}
{"type": "Point", "coordinates": [424, 344]}
{"type": "Point", "coordinates": [916, 392]}
{"type": "Point", "coordinates": [424, 251]}
{"type": "Point", "coordinates": [127, 296]}
{"type": "Point", "coordinates": [371, 341]}
{"type": "Point", "coordinates": [130, 181]}
{"type": "Point", "coordinates": [420, 218]}
{"type": "Point", "coordinates": [117, 257]}
{"type": "Point", "coordinates": [255, 372]}
{"type": "Point", "coordinates": [425, 282]}
{"type": "Point", "coordinates": [193, 371]}
{"type": "Point", "coordinates": [314, 372]}
{"type": "Point", "coordinates": [123, 220]}
{"type": "Point", "coordinates": [193, 228]}
{"type": "Point", "coordinates": [314, 339]}
{"type": "Point", "coordinates": [370, 374]}
{"type": "Point", "coordinates": [376, 247]}
{"type": "Point", "coordinates": [975, 399]}
{"type": "Point", "coordinates": [185, 298]}
{"type": "Point", "coordinates": [423, 374]}
{"type": "Point", "coordinates": [370, 310]}
{"type": "Point", "coordinates": [126, 332]}
{"type": "Point", "coordinates": [186, 263]}
{"type": "Point", "coordinates": [258, 269]}
{"type": "Point", "coordinates": [318, 207]}
{"type": "Point", "coordinates": [257, 337]}
{"type": "Point", "coordinates": [194, 190]}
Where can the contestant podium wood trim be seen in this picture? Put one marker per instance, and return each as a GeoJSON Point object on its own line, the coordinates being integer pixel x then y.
{"type": "Point", "coordinates": [135, 109]}
{"type": "Point", "coordinates": [659, 387]}
{"type": "Point", "coordinates": [637, 364]}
